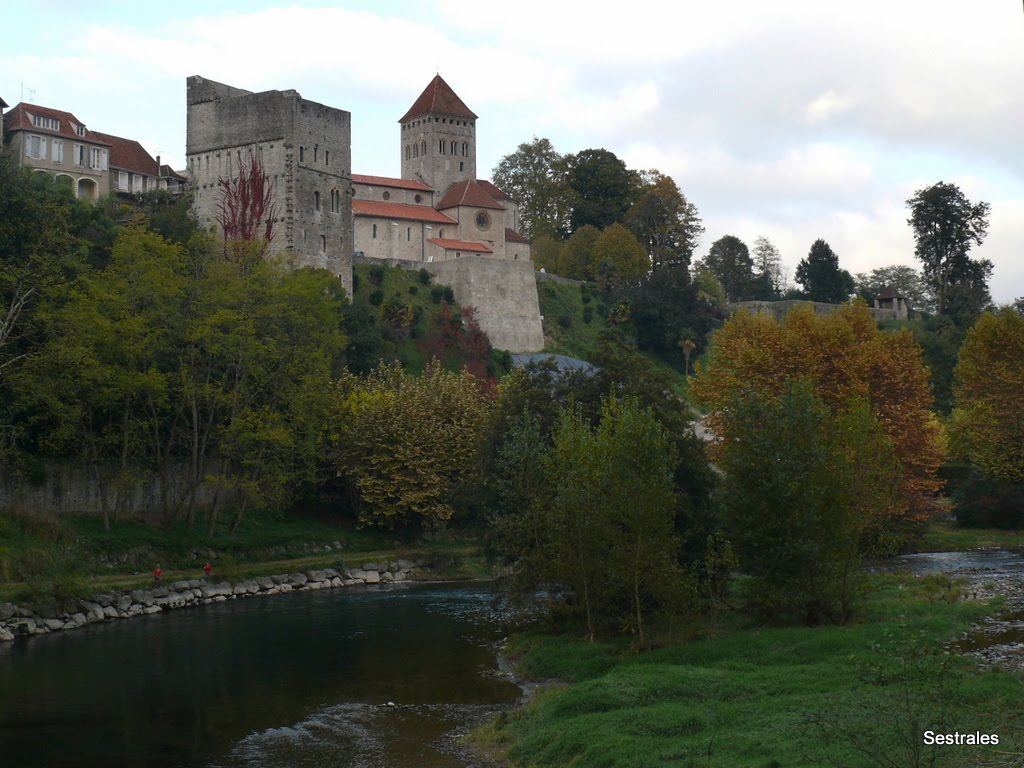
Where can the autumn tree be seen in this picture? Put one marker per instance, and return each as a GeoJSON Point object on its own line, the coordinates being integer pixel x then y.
{"type": "Point", "coordinates": [987, 427]}
{"type": "Point", "coordinates": [404, 441]}
{"type": "Point", "coordinates": [946, 226]}
{"type": "Point", "coordinates": [578, 254]}
{"type": "Point", "coordinates": [665, 222]}
{"type": "Point", "coordinates": [847, 360]}
{"type": "Point", "coordinates": [546, 254]}
{"type": "Point", "coordinates": [729, 261]}
{"type": "Point", "coordinates": [821, 276]}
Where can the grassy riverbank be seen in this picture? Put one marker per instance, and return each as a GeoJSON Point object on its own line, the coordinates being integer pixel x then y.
{"type": "Point", "coordinates": [76, 556]}
{"type": "Point", "coordinates": [947, 536]}
{"type": "Point", "coordinates": [756, 697]}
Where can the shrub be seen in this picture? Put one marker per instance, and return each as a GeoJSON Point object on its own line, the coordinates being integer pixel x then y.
{"type": "Point", "coordinates": [424, 276]}
{"type": "Point", "coordinates": [449, 295]}
{"type": "Point", "coordinates": [377, 297]}
{"type": "Point", "coordinates": [413, 290]}
{"type": "Point", "coordinates": [564, 320]}
{"type": "Point", "coordinates": [376, 275]}
{"type": "Point", "coordinates": [437, 293]}
{"type": "Point", "coordinates": [602, 310]}
{"type": "Point", "coordinates": [355, 283]}
{"type": "Point", "coordinates": [588, 314]}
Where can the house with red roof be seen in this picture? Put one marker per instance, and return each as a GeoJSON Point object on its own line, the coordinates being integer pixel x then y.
{"type": "Point", "coordinates": [56, 142]}
{"type": "Point", "coordinates": [438, 210]}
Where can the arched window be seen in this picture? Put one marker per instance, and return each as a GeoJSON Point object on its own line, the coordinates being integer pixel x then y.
{"type": "Point", "coordinates": [465, 149]}
{"type": "Point", "coordinates": [416, 150]}
{"type": "Point", "coordinates": [423, 147]}
{"type": "Point", "coordinates": [440, 146]}
{"type": "Point", "coordinates": [408, 152]}
{"type": "Point", "coordinates": [316, 201]}
{"type": "Point", "coordinates": [453, 147]}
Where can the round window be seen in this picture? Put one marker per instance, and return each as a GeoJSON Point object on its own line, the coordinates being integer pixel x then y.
{"type": "Point", "coordinates": [386, 195]}
{"type": "Point", "coordinates": [418, 198]}
{"type": "Point", "coordinates": [483, 221]}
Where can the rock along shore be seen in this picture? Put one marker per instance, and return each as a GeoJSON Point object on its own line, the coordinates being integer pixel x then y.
{"type": "Point", "coordinates": [19, 621]}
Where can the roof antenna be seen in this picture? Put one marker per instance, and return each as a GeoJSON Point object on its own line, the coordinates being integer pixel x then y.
{"type": "Point", "coordinates": [31, 93]}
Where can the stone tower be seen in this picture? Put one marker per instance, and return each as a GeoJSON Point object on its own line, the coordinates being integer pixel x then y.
{"type": "Point", "coordinates": [306, 151]}
{"type": "Point", "coordinates": [438, 138]}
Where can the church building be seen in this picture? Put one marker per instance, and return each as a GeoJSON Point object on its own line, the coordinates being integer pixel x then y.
{"type": "Point", "coordinates": [438, 210]}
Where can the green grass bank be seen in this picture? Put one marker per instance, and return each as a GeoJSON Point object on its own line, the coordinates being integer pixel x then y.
{"type": "Point", "coordinates": [755, 697]}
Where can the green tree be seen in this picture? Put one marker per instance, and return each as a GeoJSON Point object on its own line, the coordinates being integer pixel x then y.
{"type": "Point", "coordinates": [709, 287]}
{"type": "Point", "coordinates": [821, 276]}
{"type": "Point", "coordinates": [39, 254]}
{"type": "Point", "coordinates": [768, 278]}
{"type": "Point", "coordinates": [578, 254]}
{"type": "Point", "coordinates": [546, 254]}
{"type": "Point", "coordinates": [665, 222]}
{"type": "Point", "coordinates": [946, 226]}
{"type": "Point", "coordinates": [618, 257]}
{"type": "Point", "coordinates": [404, 441]}
{"type": "Point", "coordinates": [603, 186]}
{"type": "Point", "coordinates": [535, 176]}
{"type": "Point", "coordinates": [796, 498]}
{"type": "Point", "coordinates": [729, 261]}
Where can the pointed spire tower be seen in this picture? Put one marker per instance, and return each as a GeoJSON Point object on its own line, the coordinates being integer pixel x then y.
{"type": "Point", "coordinates": [438, 138]}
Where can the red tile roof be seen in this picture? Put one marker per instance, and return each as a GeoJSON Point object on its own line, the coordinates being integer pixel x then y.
{"type": "Point", "coordinates": [129, 155]}
{"type": "Point", "coordinates": [511, 236]}
{"type": "Point", "coordinates": [889, 292]}
{"type": "Point", "coordinates": [399, 211]}
{"type": "Point", "coordinates": [438, 98]}
{"type": "Point", "coordinates": [20, 119]}
{"type": "Point", "coordinates": [493, 191]}
{"type": "Point", "coordinates": [387, 181]}
{"type": "Point", "coordinates": [167, 172]}
{"type": "Point", "coordinates": [459, 245]}
{"type": "Point", "coordinates": [470, 193]}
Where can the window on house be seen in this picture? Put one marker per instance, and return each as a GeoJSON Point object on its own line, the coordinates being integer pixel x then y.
{"type": "Point", "coordinates": [327, 157]}
{"type": "Point", "coordinates": [316, 201]}
{"type": "Point", "coordinates": [375, 230]}
{"type": "Point", "coordinates": [461, 166]}
{"type": "Point", "coordinates": [453, 147]}
{"type": "Point", "coordinates": [80, 130]}
{"type": "Point", "coordinates": [465, 149]}
{"type": "Point", "coordinates": [408, 152]}
{"type": "Point", "coordinates": [35, 147]}
{"type": "Point", "coordinates": [408, 233]}
{"type": "Point", "coordinates": [423, 147]}
{"type": "Point", "coordinates": [316, 151]}
{"type": "Point", "coordinates": [122, 180]}
{"type": "Point", "coordinates": [386, 195]}
{"type": "Point", "coordinates": [416, 150]}
{"type": "Point", "coordinates": [440, 146]}
{"type": "Point", "coordinates": [98, 159]}
{"type": "Point", "coordinates": [418, 198]}
{"type": "Point", "coordinates": [323, 243]}
{"type": "Point", "coordinates": [302, 154]}
{"type": "Point", "coordinates": [57, 150]}
{"type": "Point", "coordinates": [80, 154]}
{"type": "Point", "coordinates": [440, 233]}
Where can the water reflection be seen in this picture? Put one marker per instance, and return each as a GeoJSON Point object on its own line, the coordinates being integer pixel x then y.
{"type": "Point", "coordinates": [242, 682]}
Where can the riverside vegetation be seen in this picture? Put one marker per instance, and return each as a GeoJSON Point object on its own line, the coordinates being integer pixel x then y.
{"type": "Point", "coordinates": [139, 346]}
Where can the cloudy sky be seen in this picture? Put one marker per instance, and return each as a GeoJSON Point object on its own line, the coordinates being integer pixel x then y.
{"type": "Point", "coordinates": [794, 119]}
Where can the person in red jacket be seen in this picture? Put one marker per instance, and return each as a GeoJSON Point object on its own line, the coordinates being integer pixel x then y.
{"type": "Point", "coordinates": [207, 570]}
{"type": "Point", "coordinates": [157, 575]}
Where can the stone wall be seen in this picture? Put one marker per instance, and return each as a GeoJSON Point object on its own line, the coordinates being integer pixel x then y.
{"type": "Point", "coordinates": [504, 294]}
{"type": "Point", "coordinates": [779, 309]}
{"type": "Point", "coordinates": [72, 489]}
{"type": "Point", "coordinates": [20, 621]}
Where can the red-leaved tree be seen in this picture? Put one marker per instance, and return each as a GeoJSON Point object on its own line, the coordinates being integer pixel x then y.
{"type": "Point", "coordinates": [246, 205]}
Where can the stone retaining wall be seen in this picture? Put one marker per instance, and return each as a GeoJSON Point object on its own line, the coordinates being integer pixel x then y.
{"type": "Point", "coordinates": [18, 621]}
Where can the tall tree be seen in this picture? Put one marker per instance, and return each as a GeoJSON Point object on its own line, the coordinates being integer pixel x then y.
{"type": "Point", "coordinates": [604, 189]}
{"type": "Point", "coordinates": [578, 254]}
{"type": "Point", "coordinates": [535, 177]}
{"type": "Point", "coordinates": [821, 276]}
{"type": "Point", "coordinates": [665, 222]}
{"type": "Point", "coordinates": [768, 278]}
{"type": "Point", "coordinates": [729, 260]}
{"type": "Point", "coordinates": [946, 226]}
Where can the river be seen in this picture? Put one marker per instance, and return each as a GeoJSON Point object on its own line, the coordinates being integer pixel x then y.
{"type": "Point", "coordinates": [348, 677]}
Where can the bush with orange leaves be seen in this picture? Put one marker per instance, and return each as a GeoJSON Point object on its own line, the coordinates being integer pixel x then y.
{"type": "Point", "coordinates": [846, 359]}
